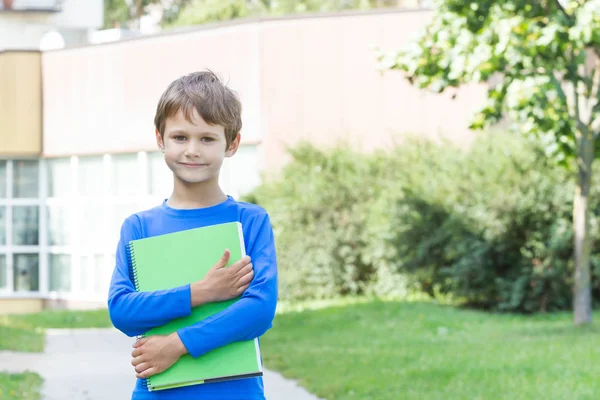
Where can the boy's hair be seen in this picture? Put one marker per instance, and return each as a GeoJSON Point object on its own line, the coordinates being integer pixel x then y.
{"type": "Point", "coordinates": [204, 91]}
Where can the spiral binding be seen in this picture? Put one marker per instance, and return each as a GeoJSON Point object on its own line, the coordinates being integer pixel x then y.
{"type": "Point", "coordinates": [133, 275]}
{"type": "Point", "coordinates": [134, 278]}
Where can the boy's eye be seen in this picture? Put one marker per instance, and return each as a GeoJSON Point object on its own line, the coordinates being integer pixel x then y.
{"type": "Point", "coordinates": [208, 139]}
{"type": "Point", "coordinates": [179, 138]}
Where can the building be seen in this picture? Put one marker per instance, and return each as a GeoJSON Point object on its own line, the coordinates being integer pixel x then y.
{"type": "Point", "coordinates": [76, 167]}
{"type": "Point", "coordinates": [31, 24]}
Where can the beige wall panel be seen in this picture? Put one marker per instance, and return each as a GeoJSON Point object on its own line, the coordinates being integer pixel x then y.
{"type": "Point", "coordinates": [20, 104]}
{"type": "Point", "coordinates": [20, 306]}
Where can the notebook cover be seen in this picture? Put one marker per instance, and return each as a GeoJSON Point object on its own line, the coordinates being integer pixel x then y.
{"type": "Point", "coordinates": [176, 259]}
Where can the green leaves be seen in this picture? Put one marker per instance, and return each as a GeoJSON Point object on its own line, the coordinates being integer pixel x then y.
{"type": "Point", "coordinates": [490, 225]}
{"type": "Point", "coordinates": [535, 52]}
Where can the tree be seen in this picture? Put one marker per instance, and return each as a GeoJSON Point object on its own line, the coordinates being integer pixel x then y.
{"type": "Point", "coordinates": [544, 55]}
{"type": "Point", "coordinates": [204, 11]}
{"type": "Point", "coordinates": [118, 13]}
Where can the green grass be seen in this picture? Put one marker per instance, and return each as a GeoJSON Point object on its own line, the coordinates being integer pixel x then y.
{"type": "Point", "coordinates": [369, 350]}
{"type": "Point", "coordinates": [26, 332]}
{"type": "Point", "coordinates": [25, 386]}
{"type": "Point", "coordinates": [397, 350]}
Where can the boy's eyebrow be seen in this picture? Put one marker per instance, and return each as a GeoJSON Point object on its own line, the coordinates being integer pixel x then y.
{"type": "Point", "coordinates": [180, 131]}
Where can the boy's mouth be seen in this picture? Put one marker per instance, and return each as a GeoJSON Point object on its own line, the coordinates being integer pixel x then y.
{"type": "Point", "coordinates": [193, 165]}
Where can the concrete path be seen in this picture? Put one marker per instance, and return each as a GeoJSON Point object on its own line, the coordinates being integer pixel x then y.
{"type": "Point", "coordinates": [94, 364]}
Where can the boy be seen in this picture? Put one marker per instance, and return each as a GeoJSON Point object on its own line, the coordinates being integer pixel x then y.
{"type": "Point", "coordinates": [198, 120]}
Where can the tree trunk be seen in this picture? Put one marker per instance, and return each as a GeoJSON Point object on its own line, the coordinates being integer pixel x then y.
{"type": "Point", "coordinates": [582, 299]}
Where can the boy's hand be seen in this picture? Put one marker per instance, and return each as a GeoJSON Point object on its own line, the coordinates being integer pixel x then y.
{"type": "Point", "coordinates": [222, 283]}
{"type": "Point", "coordinates": [154, 354]}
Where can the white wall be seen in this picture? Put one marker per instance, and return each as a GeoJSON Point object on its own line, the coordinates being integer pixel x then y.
{"type": "Point", "coordinates": [102, 99]}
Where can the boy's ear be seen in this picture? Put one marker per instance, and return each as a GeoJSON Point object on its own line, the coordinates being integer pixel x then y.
{"type": "Point", "coordinates": [233, 146]}
{"type": "Point", "coordinates": [159, 141]}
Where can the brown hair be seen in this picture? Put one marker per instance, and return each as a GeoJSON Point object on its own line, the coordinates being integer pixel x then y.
{"type": "Point", "coordinates": [205, 92]}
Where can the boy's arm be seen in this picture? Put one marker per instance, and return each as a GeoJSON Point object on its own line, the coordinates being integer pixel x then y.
{"type": "Point", "coordinates": [134, 313]}
{"type": "Point", "coordinates": [252, 315]}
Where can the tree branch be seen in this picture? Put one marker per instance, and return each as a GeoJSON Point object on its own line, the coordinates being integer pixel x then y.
{"type": "Point", "coordinates": [595, 97]}
{"type": "Point", "coordinates": [570, 18]}
{"type": "Point", "coordinates": [559, 88]}
{"type": "Point", "coordinates": [562, 9]}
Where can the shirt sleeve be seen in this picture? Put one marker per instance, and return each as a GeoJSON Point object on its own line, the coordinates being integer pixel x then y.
{"type": "Point", "coordinates": [252, 315]}
{"type": "Point", "coordinates": [127, 308]}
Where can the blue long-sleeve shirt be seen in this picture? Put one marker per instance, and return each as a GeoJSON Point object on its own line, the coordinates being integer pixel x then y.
{"type": "Point", "coordinates": [248, 318]}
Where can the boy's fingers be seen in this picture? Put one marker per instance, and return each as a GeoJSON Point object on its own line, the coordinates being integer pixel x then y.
{"type": "Point", "coordinates": [137, 361]}
{"type": "Point", "coordinates": [136, 352]}
{"type": "Point", "coordinates": [246, 279]}
{"type": "Point", "coordinates": [242, 289]}
{"type": "Point", "coordinates": [140, 342]}
{"type": "Point", "coordinates": [147, 373]}
{"type": "Point", "coordinates": [246, 269]}
{"type": "Point", "coordinates": [142, 367]}
{"type": "Point", "coordinates": [241, 263]}
{"type": "Point", "coordinates": [224, 259]}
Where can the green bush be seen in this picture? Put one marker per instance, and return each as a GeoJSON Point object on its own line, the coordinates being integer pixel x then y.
{"type": "Point", "coordinates": [319, 211]}
{"type": "Point", "coordinates": [490, 226]}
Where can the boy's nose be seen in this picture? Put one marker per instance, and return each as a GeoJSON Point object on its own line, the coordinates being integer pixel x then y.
{"type": "Point", "coordinates": [192, 150]}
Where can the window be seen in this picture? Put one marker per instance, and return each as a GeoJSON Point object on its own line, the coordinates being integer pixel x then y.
{"type": "Point", "coordinates": [95, 278]}
{"type": "Point", "coordinates": [160, 176]}
{"type": "Point", "coordinates": [92, 227]}
{"type": "Point", "coordinates": [59, 273]}
{"type": "Point", "coordinates": [126, 175]}
{"type": "Point", "coordinates": [59, 177]}
{"type": "Point", "coordinates": [126, 179]}
{"type": "Point", "coordinates": [120, 213]}
{"type": "Point", "coordinates": [3, 271]}
{"type": "Point", "coordinates": [58, 226]}
{"type": "Point", "coordinates": [26, 272]}
{"type": "Point", "coordinates": [25, 183]}
{"type": "Point", "coordinates": [102, 275]}
{"type": "Point", "coordinates": [243, 171]}
{"type": "Point", "coordinates": [2, 226]}
{"type": "Point", "coordinates": [91, 176]}
{"type": "Point", "coordinates": [3, 179]}
{"type": "Point", "coordinates": [25, 225]}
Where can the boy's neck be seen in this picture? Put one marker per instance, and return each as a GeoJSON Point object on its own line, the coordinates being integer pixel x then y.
{"type": "Point", "coordinates": [190, 196]}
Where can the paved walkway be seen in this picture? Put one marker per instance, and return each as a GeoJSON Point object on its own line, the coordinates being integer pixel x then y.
{"type": "Point", "coordinates": [94, 364]}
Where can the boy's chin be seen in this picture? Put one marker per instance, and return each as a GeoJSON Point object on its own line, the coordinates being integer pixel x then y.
{"type": "Point", "coordinates": [192, 180]}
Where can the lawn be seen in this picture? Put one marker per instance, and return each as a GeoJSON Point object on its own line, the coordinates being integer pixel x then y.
{"type": "Point", "coordinates": [391, 350]}
{"type": "Point", "coordinates": [24, 386]}
{"type": "Point", "coordinates": [26, 332]}
{"type": "Point", "coordinates": [398, 350]}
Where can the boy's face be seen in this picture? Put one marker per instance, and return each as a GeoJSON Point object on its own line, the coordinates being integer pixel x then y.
{"type": "Point", "coordinates": [195, 150]}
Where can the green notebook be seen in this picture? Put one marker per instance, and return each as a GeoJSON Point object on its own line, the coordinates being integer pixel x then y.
{"type": "Point", "coordinates": [176, 259]}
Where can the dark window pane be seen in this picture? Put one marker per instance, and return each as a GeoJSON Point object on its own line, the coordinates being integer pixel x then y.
{"type": "Point", "coordinates": [60, 273]}
{"type": "Point", "coordinates": [160, 176]}
{"type": "Point", "coordinates": [3, 271]}
{"type": "Point", "coordinates": [25, 225]}
{"type": "Point", "coordinates": [25, 184]}
{"type": "Point", "coordinates": [91, 180]}
{"type": "Point", "coordinates": [58, 224]}
{"type": "Point", "coordinates": [26, 272]}
{"type": "Point", "coordinates": [2, 226]}
{"type": "Point", "coordinates": [126, 175]}
{"type": "Point", "coordinates": [59, 177]}
{"type": "Point", "coordinates": [2, 179]}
